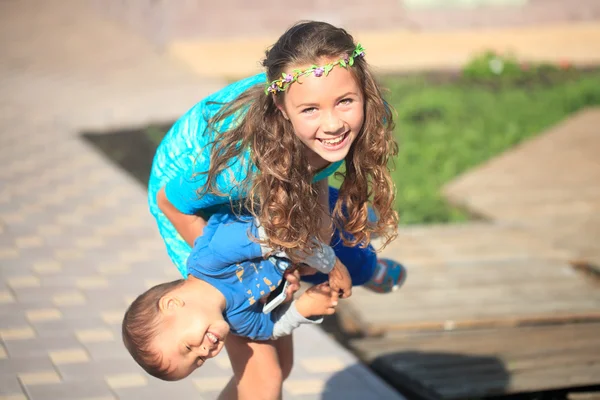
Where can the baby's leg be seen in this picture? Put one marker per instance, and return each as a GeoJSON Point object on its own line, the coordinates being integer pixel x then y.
{"type": "Point", "coordinates": [382, 276]}
{"type": "Point", "coordinates": [361, 263]}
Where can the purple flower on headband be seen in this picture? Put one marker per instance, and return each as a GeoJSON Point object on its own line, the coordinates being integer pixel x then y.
{"type": "Point", "coordinates": [288, 78]}
{"type": "Point", "coordinates": [347, 59]}
{"type": "Point", "coordinates": [319, 71]}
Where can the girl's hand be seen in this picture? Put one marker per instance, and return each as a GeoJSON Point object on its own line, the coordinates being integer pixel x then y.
{"type": "Point", "coordinates": [318, 300]}
{"type": "Point", "coordinates": [339, 280]}
{"type": "Point", "coordinates": [306, 270]}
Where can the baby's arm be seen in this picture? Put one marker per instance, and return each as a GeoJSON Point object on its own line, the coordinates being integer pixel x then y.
{"type": "Point", "coordinates": [308, 309]}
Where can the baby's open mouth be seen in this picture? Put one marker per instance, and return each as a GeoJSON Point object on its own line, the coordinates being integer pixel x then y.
{"type": "Point", "coordinates": [214, 339]}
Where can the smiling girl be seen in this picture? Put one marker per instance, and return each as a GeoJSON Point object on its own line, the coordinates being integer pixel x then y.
{"type": "Point", "coordinates": [269, 143]}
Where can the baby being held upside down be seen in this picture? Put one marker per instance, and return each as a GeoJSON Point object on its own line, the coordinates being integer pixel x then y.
{"type": "Point", "coordinates": [175, 327]}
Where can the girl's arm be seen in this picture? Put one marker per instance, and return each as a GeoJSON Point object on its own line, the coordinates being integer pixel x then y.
{"type": "Point", "coordinates": [339, 277]}
{"type": "Point", "coordinates": [188, 226]}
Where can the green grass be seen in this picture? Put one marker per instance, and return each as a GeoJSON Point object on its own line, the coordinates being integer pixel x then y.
{"type": "Point", "coordinates": [446, 128]}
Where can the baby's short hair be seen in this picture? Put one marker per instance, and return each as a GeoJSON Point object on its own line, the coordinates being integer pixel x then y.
{"type": "Point", "coordinates": [141, 324]}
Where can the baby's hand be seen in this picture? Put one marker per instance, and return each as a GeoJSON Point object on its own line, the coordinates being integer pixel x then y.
{"type": "Point", "coordinates": [293, 277]}
{"type": "Point", "coordinates": [317, 300]}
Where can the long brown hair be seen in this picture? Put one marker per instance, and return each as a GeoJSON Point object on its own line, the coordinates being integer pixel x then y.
{"type": "Point", "coordinates": [282, 193]}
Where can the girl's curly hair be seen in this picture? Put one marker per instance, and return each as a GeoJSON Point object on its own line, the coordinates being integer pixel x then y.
{"type": "Point", "coordinates": [281, 194]}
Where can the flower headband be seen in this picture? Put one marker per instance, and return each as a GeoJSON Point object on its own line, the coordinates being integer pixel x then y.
{"type": "Point", "coordinates": [281, 84]}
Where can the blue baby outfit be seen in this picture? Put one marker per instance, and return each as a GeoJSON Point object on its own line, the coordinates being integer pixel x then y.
{"type": "Point", "coordinates": [226, 257]}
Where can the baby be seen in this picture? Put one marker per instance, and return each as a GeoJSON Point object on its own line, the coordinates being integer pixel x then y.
{"type": "Point", "coordinates": [173, 328]}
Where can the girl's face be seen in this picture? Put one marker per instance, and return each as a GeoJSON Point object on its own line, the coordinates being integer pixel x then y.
{"type": "Point", "coordinates": [326, 112]}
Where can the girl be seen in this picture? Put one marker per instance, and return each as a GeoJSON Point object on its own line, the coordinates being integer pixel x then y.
{"type": "Point", "coordinates": [269, 142]}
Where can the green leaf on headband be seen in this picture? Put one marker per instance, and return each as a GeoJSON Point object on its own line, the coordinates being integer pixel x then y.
{"type": "Point", "coordinates": [351, 61]}
{"type": "Point", "coordinates": [343, 63]}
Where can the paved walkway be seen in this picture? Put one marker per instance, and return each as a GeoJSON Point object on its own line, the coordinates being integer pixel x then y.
{"type": "Point", "coordinates": [76, 241]}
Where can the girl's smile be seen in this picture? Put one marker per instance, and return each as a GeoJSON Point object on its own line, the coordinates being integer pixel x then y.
{"type": "Point", "coordinates": [336, 142]}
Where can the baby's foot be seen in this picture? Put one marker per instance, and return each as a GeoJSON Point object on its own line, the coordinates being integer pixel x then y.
{"type": "Point", "coordinates": [389, 276]}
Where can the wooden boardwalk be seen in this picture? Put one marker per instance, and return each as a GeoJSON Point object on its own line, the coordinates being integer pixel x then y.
{"type": "Point", "coordinates": [477, 363]}
{"type": "Point", "coordinates": [501, 307]}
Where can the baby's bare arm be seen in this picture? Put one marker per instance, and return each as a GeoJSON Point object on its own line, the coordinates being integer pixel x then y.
{"type": "Point", "coordinates": [317, 300]}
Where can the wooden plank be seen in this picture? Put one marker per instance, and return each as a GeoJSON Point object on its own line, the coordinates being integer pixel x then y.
{"type": "Point", "coordinates": [584, 396]}
{"type": "Point", "coordinates": [549, 379]}
{"type": "Point", "coordinates": [487, 341]}
{"type": "Point", "coordinates": [476, 322]}
{"type": "Point", "coordinates": [487, 362]}
{"type": "Point", "coordinates": [492, 294]}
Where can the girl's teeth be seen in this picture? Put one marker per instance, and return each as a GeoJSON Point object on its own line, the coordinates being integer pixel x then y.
{"type": "Point", "coordinates": [334, 141]}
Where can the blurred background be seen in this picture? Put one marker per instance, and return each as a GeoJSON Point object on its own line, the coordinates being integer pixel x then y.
{"type": "Point", "coordinates": [498, 190]}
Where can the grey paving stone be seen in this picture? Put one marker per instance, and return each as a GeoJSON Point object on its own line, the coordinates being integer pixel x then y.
{"type": "Point", "coordinates": [66, 327]}
{"type": "Point", "coordinates": [307, 397]}
{"type": "Point", "coordinates": [69, 390]}
{"type": "Point", "coordinates": [15, 320]}
{"type": "Point", "coordinates": [363, 378]}
{"type": "Point", "coordinates": [310, 341]}
{"type": "Point", "coordinates": [125, 285]}
{"type": "Point", "coordinates": [157, 389]}
{"type": "Point", "coordinates": [26, 227]}
{"type": "Point", "coordinates": [114, 351]}
{"type": "Point", "coordinates": [9, 385]}
{"type": "Point", "coordinates": [10, 268]}
{"type": "Point", "coordinates": [30, 256]}
{"type": "Point", "coordinates": [108, 299]}
{"type": "Point", "coordinates": [38, 297]}
{"type": "Point", "coordinates": [12, 310]}
{"type": "Point", "coordinates": [83, 311]}
{"type": "Point", "coordinates": [16, 365]}
{"type": "Point", "coordinates": [60, 281]}
{"type": "Point", "coordinates": [39, 347]}
{"type": "Point", "coordinates": [98, 368]}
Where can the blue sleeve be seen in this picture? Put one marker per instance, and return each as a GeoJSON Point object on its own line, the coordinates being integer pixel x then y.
{"type": "Point", "coordinates": [224, 242]}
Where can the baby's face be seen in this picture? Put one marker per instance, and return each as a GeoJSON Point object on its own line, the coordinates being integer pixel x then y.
{"type": "Point", "coordinates": [188, 337]}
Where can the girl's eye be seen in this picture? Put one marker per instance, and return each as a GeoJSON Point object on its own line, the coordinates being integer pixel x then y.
{"type": "Point", "coordinates": [188, 347]}
{"type": "Point", "coordinates": [309, 110]}
{"type": "Point", "coordinates": [346, 102]}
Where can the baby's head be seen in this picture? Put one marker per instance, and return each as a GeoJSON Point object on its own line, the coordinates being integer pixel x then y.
{"type": "Point", "coordinates": [173, 328]}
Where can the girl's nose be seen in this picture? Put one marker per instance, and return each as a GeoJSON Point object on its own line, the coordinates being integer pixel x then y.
{"type": "Point", "coordinates": [331, 123]}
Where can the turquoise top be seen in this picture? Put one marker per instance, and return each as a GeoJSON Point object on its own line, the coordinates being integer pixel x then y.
{"type": "Point", "coordinates": [184, 154]}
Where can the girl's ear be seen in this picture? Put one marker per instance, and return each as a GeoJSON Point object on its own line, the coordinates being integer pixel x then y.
{"type": "Point", "coordinates": [280, 107]}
